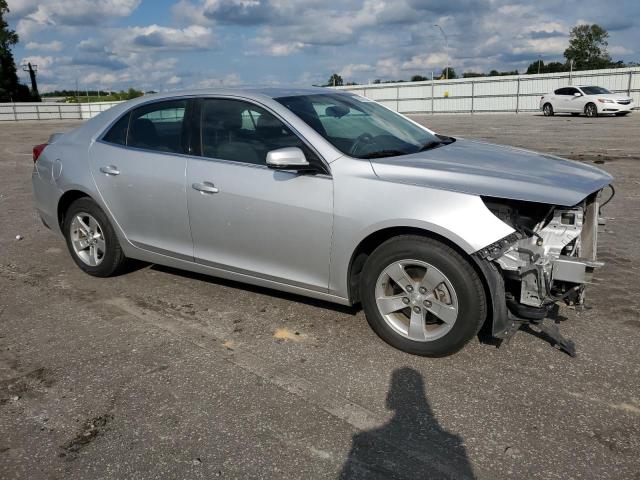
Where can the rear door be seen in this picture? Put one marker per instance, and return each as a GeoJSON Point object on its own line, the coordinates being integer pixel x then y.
{"type": "Point", "coordinates": [248, 218]}
{"type": "Point", "coordinates": [139, 167]}
{"type": "Point", "coordinates": [561, 100]}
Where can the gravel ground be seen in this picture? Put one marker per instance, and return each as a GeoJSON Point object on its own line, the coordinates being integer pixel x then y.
{"type": "Point", "coordinates": [165, 374]}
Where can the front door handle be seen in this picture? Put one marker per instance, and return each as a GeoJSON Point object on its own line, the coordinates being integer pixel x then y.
{"type": "Point", "coordinates": [110, 170]}
{"type": "Point", "coordinates": [205, 187]}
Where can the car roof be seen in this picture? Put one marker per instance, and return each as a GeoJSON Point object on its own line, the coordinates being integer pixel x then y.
{"type": "Point", "coordinates": [248, 92]}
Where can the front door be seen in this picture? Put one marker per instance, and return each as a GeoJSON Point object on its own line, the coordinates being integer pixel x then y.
{"type": "Point", "coordinates": [248, 218]}
{"type": "Point", "coordinates": [140, 174]}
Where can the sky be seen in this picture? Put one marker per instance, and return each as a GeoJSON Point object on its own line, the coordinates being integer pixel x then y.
{"type": "Point", "coordinates": [174, 44]}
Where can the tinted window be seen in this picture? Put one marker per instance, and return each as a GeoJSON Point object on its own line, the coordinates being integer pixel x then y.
{"type": "Point", "coordinates": [595, 90]}
{"type": "Point", "coordinates": [243, 132]}
{"type": "Point", "coordinates": [159, 126]}
{"type": "Point", "coordinates": [566, 91]}
{"type": "Point", "coordinates": [118, 133]}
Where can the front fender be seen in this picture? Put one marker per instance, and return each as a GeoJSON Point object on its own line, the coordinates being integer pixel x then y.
{"type": "Point", "coordinates": [365, 204]}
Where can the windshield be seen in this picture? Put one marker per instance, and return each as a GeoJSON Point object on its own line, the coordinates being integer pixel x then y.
{"type": "Point", "coordinates": [594, 90]}
{"type": "Point", "coordinates": [360, 127]}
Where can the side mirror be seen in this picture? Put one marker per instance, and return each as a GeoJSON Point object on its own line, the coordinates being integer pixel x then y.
{"type": "Point", "coordinates": [290, 158]}
{"type": "Point", "coordinates": [577, 94]}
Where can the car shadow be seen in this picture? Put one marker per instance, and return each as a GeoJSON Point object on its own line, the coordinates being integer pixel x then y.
{"type": "Point", "coordinates": [412, 445]}
{"type": "Point", "coordinates": [353, 310]}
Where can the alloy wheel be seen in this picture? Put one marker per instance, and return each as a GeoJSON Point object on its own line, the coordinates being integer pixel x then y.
{"type": "Point", "coordinates": [591, 110]}
{"type": "Point", "coordinates": [416, 300]}
{"type": "Point", "coordinates": [88, 239]}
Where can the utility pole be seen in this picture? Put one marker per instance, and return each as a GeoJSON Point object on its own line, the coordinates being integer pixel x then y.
{"type": "Point", "coordinates": [446, 50]}
{"type": "Point", "coordinates": [570, 70]}
{"type": "Point", "coordinates": [32, 69]}
{"type": "Point", "coordinates": [539, 62]}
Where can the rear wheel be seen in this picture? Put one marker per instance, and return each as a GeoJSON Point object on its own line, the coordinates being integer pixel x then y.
{"type": "Point", "coordinates": [547, 109]}
{"type": "Point", "coordinates": [591, 110]}
{"type": "Point", "coordinates": [91, 239]}
{"type": "Point", "coordinates": [421, 296]}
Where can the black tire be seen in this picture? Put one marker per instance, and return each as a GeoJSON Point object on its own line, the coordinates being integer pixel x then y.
{"type": "Point", "coordinates": [622, 114]}
{"type": "Point", "coordinates": [590, 110]}
{"type": "Point", "coordinates": [547, 110]}
{"type": "Point", "coordinates": [575, 114]}
{"type": "Point", "coordinates": [113, 260]}
{"type": "Point", "coordinates": [472, 302]}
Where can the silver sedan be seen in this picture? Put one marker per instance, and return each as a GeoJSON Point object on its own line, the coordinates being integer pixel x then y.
{"type": "Point", "coordinates": [329, 195]}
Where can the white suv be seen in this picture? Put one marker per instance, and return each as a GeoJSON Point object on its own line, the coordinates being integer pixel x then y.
{"type": "Point", "coordinates": [592, 101]}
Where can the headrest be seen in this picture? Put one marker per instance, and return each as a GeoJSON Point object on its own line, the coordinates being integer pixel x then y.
{"type": "Point", "coordinates": [269, 125]}
{"type": "Point", "coordinates": [143, 131]}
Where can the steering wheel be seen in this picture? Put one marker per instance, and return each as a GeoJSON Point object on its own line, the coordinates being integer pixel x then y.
{"type": "Point", "coordinates": [364, 138]}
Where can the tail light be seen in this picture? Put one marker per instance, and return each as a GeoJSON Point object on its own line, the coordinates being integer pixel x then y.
{"type": "Point", "coordinates": [37, 150]}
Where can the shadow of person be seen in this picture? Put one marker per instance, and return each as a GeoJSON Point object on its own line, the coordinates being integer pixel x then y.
{"type": "Point", "coordinates": [412, 445]}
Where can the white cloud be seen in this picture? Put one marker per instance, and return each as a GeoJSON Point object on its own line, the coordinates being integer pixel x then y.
{"type": "Point", "coordinates": [354, 69]}
{"type": "Point", "coordinates": [230, 80]}
{"type": "Point", "coordinates": [619, 50]}
{"type": "Point", "coordinates": [54, 46]}
{"type": "Point", "coordinates": [71, 12]}
{"type": "Point", "coordinates": [194, 37]}
{"type": "Point", "coordinates": [174, 80]}
{"type": "Point", "coordinates": [427, 61]}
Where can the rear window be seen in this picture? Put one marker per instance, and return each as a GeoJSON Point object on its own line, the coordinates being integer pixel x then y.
{"type": "Point", "coordinates": [118, 133]}
{"type": "Point", "coordinates": [158, 126]}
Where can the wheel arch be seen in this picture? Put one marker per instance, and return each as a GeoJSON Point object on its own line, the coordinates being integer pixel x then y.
{"type": "Point", "coordinates": [368, 244]}
{"type": "Point", "coordinates": [584, 110]}
{"type": "Point", "coordinates": [65, 201]}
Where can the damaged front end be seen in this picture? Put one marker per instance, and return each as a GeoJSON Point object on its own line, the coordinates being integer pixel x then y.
{"type": "Point", "coordinates": [549, 258]}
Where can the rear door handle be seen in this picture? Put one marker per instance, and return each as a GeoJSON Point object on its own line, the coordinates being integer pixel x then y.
{"type": "Point", "coordinates": [205, 187]}
{"type": "Point", "coordinates": [110, 170]}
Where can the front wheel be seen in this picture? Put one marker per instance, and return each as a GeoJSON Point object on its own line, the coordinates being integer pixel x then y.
{"type": "Point", "coordinates": [421, 296]}
{"type": "Point", "coordinates": [591, 110]}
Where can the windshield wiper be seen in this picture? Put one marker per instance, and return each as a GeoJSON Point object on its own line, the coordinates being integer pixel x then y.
{"type": "Point", "coordinates": [384, 153]}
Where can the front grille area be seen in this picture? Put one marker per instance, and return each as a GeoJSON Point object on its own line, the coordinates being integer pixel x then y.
{"type": "Point", "coordinates": [624, 102]}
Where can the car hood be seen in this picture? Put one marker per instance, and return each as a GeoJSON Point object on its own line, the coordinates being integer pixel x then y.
{"type": "Point", "coordinates": [481, 168]}
{"type": "Point", "coordinates": [612, 96]}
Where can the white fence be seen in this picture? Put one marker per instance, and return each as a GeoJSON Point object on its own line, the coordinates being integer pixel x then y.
{"type": "Point", "coordinates": [513, 93]}
{"type": "Point", "coordinates": [52, 111]}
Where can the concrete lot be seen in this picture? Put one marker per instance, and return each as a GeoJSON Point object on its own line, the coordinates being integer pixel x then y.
{"type": "Point", "coordinates": [165, 374]}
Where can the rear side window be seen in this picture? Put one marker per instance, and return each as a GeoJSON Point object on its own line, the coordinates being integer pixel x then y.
{"type": "Point", "coordinates": [118, 133]}
{"type": "Point", "coordinates": [159, 126]}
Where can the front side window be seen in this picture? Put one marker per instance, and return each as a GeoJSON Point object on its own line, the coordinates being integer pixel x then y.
{"type": "Point", "coordinates": [359, 127]}
{"type": "Point", "coordinates": [159, 126]}
{"type": "Point", "coordinates": [595, 90]}
{"type": "Point", "coordinates": [242, 132]}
